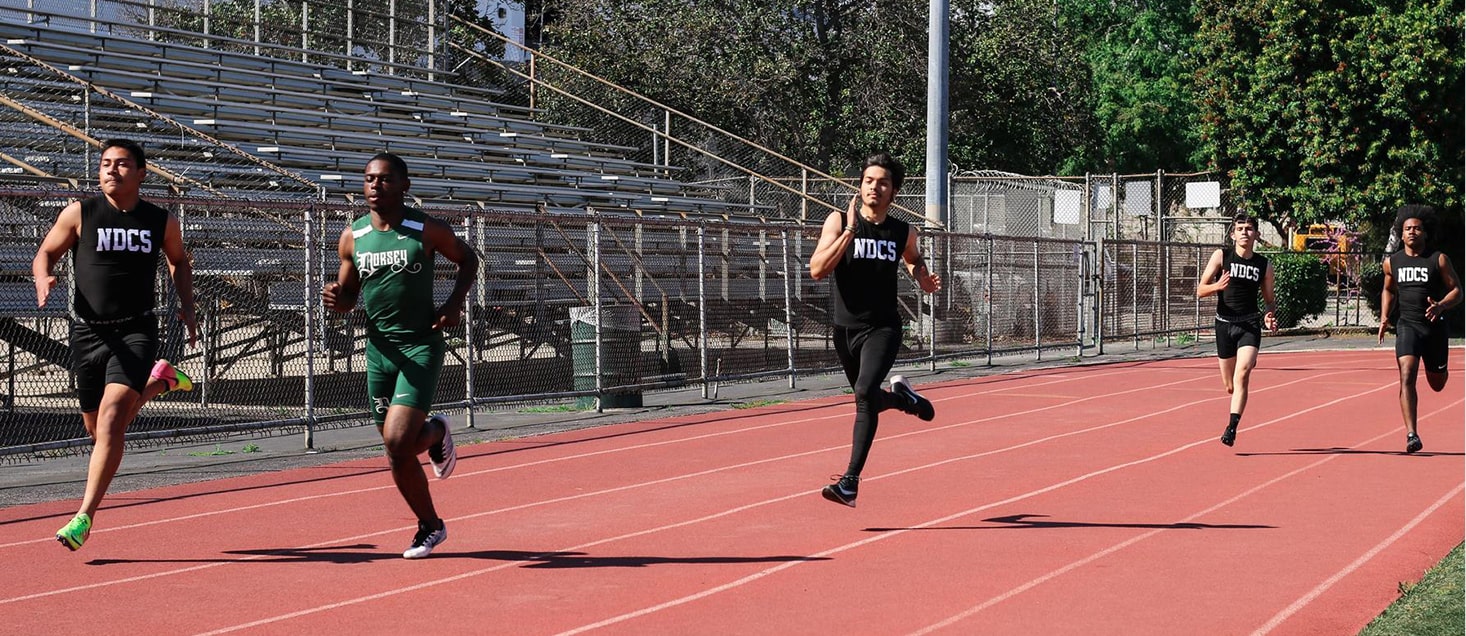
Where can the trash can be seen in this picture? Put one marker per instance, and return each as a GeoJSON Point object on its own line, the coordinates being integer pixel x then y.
{"type": "Point", "coordinates": [620, 354]}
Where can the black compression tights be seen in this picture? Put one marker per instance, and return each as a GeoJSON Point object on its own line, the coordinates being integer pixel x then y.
{"type": "Point", "coordinates": [867, 355]}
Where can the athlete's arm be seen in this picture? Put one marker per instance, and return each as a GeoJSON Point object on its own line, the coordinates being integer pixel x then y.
{"type": "Point", "coordinates": [835, 238]}
{"type": "Point", "coordinates": [442, 240]}
{"type": "Point", "coordinates": [341, 295]}
{"type": "Point", "coordinates": [1386, 300]}
{"type": "Point", "coordinates": [916, 265]}
{"type": "Point", "coordinates": [1270, 304]}
{"type": "Point", "coordinates": [58, 241]}
{"type": "Point", "coordinates": [1438, 308]}
{"type": "Point", "coordinates": [180, 267]}
{"type": "Point", "coordinates": [1210, 282]}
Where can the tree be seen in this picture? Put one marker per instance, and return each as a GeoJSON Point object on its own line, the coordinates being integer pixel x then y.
{"type": "Point", "coordinates": [1333, 109]}
{"type": "Point", "coordinates": [1139, 56]}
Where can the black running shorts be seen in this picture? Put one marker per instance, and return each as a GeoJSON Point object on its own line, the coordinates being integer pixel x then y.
{"type": "Point", "coordinates": [1233, 335]}
{"type": "Point", "coordinates": [119, 353]}
{"type": "Point", "coordinates": [1430, 343]}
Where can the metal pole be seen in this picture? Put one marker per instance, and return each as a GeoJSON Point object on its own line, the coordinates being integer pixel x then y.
{"type": "Point", "coordinates": [392, 37]}
{"type": "Point", "coordinates": [310, 329]}
{"type": "Point", "coordinates": [593, 237]}
{"type": "Point", "coordinates": [468, 226]}
{"type": "Point", "coordinates": [702, 306]}
{"type": "Point", "coordinates": [257, 27]}
{"type": "Point", "coordinates": [989, 299]}
{"type": "Point", "coordinates": [1135, 291]}
{"type": "Point", "coordinates": [305, 37]}
{"type": "Point", "coordinates": [1038, 343]}
{"type": "Point", "coordinates": [936, 113]}
{"type": "Point", "coordinates": [350, 22]}
{"type": "Point", "coordinates": [788, 308]}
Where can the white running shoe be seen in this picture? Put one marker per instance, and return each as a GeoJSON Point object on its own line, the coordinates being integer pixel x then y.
{"type": "Point", "coordinates": [444, 456]}
{"type": "Point", "coordinates": [425, 540]}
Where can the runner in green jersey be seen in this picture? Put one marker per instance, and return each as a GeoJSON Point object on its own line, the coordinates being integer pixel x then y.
{"type": "Point", "coordinates": [387, 265]}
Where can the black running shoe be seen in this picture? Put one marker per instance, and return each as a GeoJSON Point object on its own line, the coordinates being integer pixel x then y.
{"type": "Point", "coordinates": [1412, 443]}
{"type": "Point", "coordinates": [1229, 435]}
{"type": "Point", "coordinates": [426, 539]}
{"type": "Point", "coordinates": [911, 401]}
{"type": "Point", "coordinates": [843, 491]}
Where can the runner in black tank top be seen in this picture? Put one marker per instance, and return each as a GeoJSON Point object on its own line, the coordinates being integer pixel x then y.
{"type": "Point", "coordinates": [1424, 283]}
{"type": "Point", "coordinates": [863, 249]}
{"type": "Point", "coordinates": [1237, 276]}
{"type": "Point", "coordinates": [115, 240]}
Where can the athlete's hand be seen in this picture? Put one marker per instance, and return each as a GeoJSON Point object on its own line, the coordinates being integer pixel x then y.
{"type": "Point", "coordinates": [931, 283]}
{"type": "Point", "coordinates": [334, 299]}
{"type": "Point", "coordinates": [449, 315]}
{"type": "Point", "coordinates": [852, 211]}
{"type": "Point", "coordinates": [1383, 324]}
{"type": "Point", "coordinates": [1270, 320]}
{"type": "Point", "coordinates": [1433, 309]}
{"type": "Point", "coordinates": [1223, 280]}
{"type": "Point", "coordinates": [44, 285]}
{"type": "Point", "coordinates": [189, 320]}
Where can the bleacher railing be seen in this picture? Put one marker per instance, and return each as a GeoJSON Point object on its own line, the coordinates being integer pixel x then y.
{"type": "Point", "coordinates": [717, 163]}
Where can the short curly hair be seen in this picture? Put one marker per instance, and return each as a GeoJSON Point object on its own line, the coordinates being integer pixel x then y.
{"type": "Point", "coordinates": [1428, 220]}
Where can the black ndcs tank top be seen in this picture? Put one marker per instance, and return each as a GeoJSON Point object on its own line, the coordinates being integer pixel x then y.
{"type": "Point", "coordinates": [1239, 300]}
{"type": "Point", "coordinates": [865, 277]}
{"type": "Point", "coordinates": [1417, 280]}
{"type": "Point", "coordinates": [116, 259]}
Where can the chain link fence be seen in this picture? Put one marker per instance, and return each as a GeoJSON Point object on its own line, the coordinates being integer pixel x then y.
{"type": "Point", "coordinates": [582, 308]}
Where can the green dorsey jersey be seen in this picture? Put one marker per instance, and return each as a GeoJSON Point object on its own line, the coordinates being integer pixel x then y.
{"type": "Point", "coordinates": [396, 272]}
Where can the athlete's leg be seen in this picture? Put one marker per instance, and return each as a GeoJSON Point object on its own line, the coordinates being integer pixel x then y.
{"type": "Point", "coordinates": [126, 358]}
{"type": "Point", "coordinates": [1437, 358]}
{"type": "Point", "coordinates": [1229, 371]}
{"type": "Point", "coordinates": [877, 354]}
{"type": "Point", "coordinates": [1244, 363]}
{"type": "Point", "coordinates": [108, 425]}
{"type": "Point", "coordinates": [405, 434]}
{"type": "Point", "coordinates": [1437, 379]}
{"type": "Point", "coordinates": [1226, 353]}
{"type": "Point", "coordinates": [1409, 367]}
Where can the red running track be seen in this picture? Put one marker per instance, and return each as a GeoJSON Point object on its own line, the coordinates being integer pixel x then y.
{"type": "Point", "coordinates": [1081, 500]}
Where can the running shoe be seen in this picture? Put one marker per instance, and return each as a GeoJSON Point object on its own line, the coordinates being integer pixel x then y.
{"type": "Point", "coordinates": [1412, 443]}
{"type": "Point", "coordinates": [911, 401]}
{"type": "Point", "coordinates": [443, 455]}
{"type": "Point", "coordinates": [1230, 435]}
{"type": "Point", "coordinates": [174, 378]}
{"type": "Point", "coordinates": [426, 539]}
{"type": "Point", "coordinates": [842, 491]}
{"type": "Point", "coordinates": [75, 532]}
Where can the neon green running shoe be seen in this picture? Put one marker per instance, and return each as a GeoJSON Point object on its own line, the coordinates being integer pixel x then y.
{"type": "Point", "coordinates": [75, 533]}
{"type": "Point", "coordinates": [172, 376]}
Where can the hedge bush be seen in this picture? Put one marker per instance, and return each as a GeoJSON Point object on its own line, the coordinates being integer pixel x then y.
{"type": "Point", "coordinates": [1371, 283]}
{"type": "Point", "coordinates": [1300, 285]}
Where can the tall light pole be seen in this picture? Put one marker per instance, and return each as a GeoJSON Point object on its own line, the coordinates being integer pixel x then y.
{"type": "Point", "coordinates": [936, 113]}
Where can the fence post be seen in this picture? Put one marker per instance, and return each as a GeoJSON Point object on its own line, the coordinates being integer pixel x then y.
{"type": "Point", "coordinates": [988, 298]}
{"type": "Point", "coordinates": [1135, 291]}
{"type": "Point", "coordinates": [310, 329]}
{"type": "Point", "coordinates": [702, 306]}
{"type": "Point", "coordinates": [593, 247]}
{"type": "Point", "coordinates": [468, 226]}
{"type": "Point", "coordinates": [1038, 344]}
{"type": "Point", "coordinates": [788, 309]}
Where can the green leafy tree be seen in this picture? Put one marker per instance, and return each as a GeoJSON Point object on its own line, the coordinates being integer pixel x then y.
{"type": "Point", "coordinates": [1139, 57]}
{"type": "Point", "coordinates": [1334, 109]}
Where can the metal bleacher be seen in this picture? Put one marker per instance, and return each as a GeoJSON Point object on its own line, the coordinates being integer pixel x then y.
{"type": "Point", "coordinates": [320, 124]}
{"type": "Point", "coordinates": [323, 122]}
